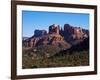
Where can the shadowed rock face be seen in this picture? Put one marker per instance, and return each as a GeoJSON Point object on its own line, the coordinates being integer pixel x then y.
{"type": "Point", "coordinates": [38, 33]}
{"type": "Point", "coordinates": [63, 38]}
{"type": "Point", "coordinates": [73, 35]}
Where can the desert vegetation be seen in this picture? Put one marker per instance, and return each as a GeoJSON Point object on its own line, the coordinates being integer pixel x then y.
{"type": "Point", "coordinates": [51, 56]}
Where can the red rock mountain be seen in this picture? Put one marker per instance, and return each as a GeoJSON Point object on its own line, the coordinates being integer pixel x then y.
{"type": "Point", "coordinates": [74, 35]}
{"type": "Point", "coordinates": [63, 38]}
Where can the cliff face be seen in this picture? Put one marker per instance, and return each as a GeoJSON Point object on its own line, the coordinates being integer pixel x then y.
{"type": "Point", "coordinates": [39, 33]}
{"type": "Point", "coordinates": [62, 38]}
{"type": "Point", "coordinates": [54, 29]}
{"type": "Point", "coordinates": [74, 34]}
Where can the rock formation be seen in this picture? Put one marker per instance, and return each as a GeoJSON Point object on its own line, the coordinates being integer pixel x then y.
{"type": "Point", "coordinates": [38, 33]}
{"type": "Point", "coordinates": [74, 34]}
{"type": "Point", "coordinates": [54, 29]}
{"type": "Point", "coordinates": [63, 38]}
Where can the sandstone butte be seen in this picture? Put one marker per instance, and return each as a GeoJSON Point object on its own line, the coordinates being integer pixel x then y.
{"type": "Point", "coordinates": [57, 36]}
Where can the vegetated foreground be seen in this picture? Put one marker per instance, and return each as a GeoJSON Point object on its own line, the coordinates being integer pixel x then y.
{"type": "Point", "coordinates": [51, 56]}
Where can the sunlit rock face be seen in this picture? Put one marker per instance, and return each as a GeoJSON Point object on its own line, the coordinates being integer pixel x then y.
{"type": "Point", "coordinates": [54, 29]}
{"type": "Point", "coordinates": [57, 36]}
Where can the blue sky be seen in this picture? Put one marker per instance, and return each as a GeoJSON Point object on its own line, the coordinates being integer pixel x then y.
{"type": "Point", "coordinates": [32, 20]}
